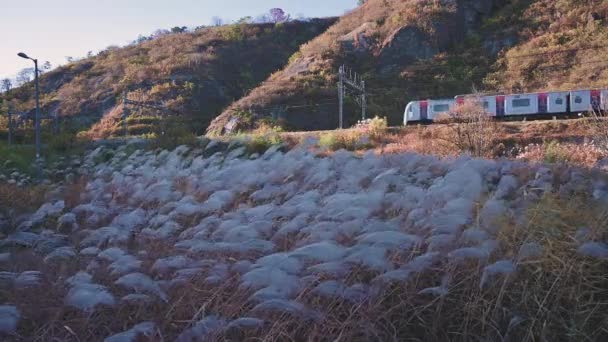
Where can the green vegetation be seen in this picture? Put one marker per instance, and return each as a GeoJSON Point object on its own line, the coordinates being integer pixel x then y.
{"type": "Point", "coordinates": [553, 153]}
{"type": "Point", "coordinates": [170, 134]}
{"type": "Point", "coordinates": [20, 157]}
{"type": "Point", "coordinates": [351, 140]}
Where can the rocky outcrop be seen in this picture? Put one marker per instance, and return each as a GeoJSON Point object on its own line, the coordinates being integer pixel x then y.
{"type": "Point", "coordinates": [359, 39]}
{"type": "Point", "coordinates": [472, 12]}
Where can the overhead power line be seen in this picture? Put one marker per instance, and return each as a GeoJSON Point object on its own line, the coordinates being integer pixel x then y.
{"type": "Point", "coordinates": [545, 53]}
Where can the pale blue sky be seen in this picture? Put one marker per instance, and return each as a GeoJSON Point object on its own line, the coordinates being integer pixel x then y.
{"type": "Point", "coordinates": [53, 29]}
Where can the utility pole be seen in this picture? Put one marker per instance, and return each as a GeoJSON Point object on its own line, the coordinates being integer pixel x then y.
{"type": "Point", "coordinates": [355, 83]}
{"type": "Point", "coordinates": [341, 97]}
{"type": "Point", "coordinates": [37, 110]}
{"type": "Point", "coordinates": [125, 113]}
{"type": "Point", "coordinates": [56, 122]}
{"type": "Point", "coordinates": [363, 101]}
{"type": "Point", "coordinates": [10, 124]}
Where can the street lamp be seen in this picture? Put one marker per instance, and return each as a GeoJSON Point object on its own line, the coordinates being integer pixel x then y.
{"type": "Point", "coordinates": [37, 120]}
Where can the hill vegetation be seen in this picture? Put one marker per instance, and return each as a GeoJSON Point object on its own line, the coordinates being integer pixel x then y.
{"type": "Point", "coordinates": [193, 74]}
{"type": "Point", "coordinates": [242, 76]}
{"type": "Point", "coordinates": [420, 49]}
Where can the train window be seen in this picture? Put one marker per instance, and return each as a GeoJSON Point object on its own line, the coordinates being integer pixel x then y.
{"type": "Point", "coordinates": [441, 108]}
{"type": "Point", "coordinates": [486, 105]}
{"type": "Point", "coordinates": [521, 103]}
{"type": "Point", "coordinates": [559, 101]}
{"type": "Point", "coordinates": [578, 99]}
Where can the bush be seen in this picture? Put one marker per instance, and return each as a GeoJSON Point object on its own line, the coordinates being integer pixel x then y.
{"type": "Point", "coordinates": [350, 140]}
{"type": "Point", "coordinates": [16, 200]}
{"type": "Point", "coordinates": [173, 134]}
{"type": "Point", "coordinates": [66, 141]}
{"type": "Point", "coordinates": [375, 128]}
{"type": "Point", "coordinates": [472, 129]}
{"type": "Point", "coordinates": [20, 157]}
{"type": "Point", "coordinates": [598, 125]}
{"type": "Point", "coordinates": [263, 138]}
{"type": "Point", "coordinates": [554, 153]}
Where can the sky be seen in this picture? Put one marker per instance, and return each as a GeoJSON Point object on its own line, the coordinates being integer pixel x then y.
{"type": "Point", "coordinates": [51, 30]}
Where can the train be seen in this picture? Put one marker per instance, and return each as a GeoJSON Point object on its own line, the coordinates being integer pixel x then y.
{"type": "Point", "coordinates": [552, 103]}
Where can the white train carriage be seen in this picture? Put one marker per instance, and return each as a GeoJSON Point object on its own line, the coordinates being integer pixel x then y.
{"type": "Point", "coordinates": [412, 112]}
{"type": "Point", "coordinates": [439, 107]}
{"type": "Point", "coordinates": [427, 110]}
{"type": "Point", "coordinates": [580, 101]}
{"type": "Point", "coordinates": [490, 103]}
{"type": "Point", "coordinates": [556, 102]}
{"type": "Point", "coordinates": [521, 104]}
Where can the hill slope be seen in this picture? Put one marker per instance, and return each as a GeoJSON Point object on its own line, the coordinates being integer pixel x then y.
{"type": "Point", "coordinates": [415, 49]}
{"type": "Point", "coordinates": [193, 74]}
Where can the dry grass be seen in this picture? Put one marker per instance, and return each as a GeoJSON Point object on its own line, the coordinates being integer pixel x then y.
{"type": "Point", "coordinates": [576, 142]}
{"type": "Point", "coordinates": [584, 154]}
{"type": "Point", "coordinates": [15, 200]}
{"type": "Point", "coordinates": [471, 129]}
{"type": "Point", "coordinates": [559, 293]}
{"type": "Point", "coordinates": [598, 125]}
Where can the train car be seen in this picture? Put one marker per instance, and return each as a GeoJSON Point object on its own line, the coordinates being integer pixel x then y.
{"type": "Point", "coordinates": [413, 112]}
{"type": "Point", "coordinates": [553, 103]}
{"type": "Point", "coordinates": [428, 110]}
{"type": "Point", "coordinates": [491, 103]}
{"type": "Point", "coordinates": [521, 104]}
{"type": "Point", "coordinates": [439, 107]}
{"type": "Point", "coordinates": [580, 101]}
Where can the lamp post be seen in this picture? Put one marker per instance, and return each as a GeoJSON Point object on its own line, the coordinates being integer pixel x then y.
{"type": "Point", "coordinates": [37, 120]}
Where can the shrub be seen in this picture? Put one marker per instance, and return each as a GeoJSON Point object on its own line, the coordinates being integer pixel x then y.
{"type": "Point", "coordinates": [472, 129]}
{"type": "Point", "coordinates": [20, 157]}
{"type": "Point", "coordinates": [554, 153]}
{"type": "Point", "coordinates": [67, 141]}
{"type": "Point", "coordinates": [16, 200]}
{"type": "Point", "coordinates": [350, 140]}
{"type": "Point", "coordinates": [375, 128]}
{"type": "Point", "coordinates": [172, 134]}
{"type": "Point", "coordinates": [598, 125]}
{"type": "Point", "coordinates": [265, 136]}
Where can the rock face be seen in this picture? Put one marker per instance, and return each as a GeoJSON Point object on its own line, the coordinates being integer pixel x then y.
{"type": "Point", "coordinates": [358, 40]}
{"type": "Point", "coordinates": [473, 12]}
{"type": "Point", "coordinates": [408, 44]}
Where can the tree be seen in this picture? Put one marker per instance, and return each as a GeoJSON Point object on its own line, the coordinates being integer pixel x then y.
{"type": "Point", "coordinates": [69, 59]}
{"type": "Point", "coordinates": [179, 29]}
{"type": "Point", "coordinates": [159, 33]}
{"type": "Point", "coordinates": [277, 15]}
{"type": "Point", "coordinates": [6, 85]}
{"type": "Point", "coordinates": [361, 2]}
{"type": "Point", "coordinates": [25, 75]}
{"type": "Point", "coordinates": [46, 66]}
{"type": "Point", "coordinates": [245, 20]}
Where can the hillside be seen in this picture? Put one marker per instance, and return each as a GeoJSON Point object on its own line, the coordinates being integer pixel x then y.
{"type": "Point", "coordinates": [229, 79]}
{"type": "Point", "coordinates": [195, 75]}
{"type": "Point", "coordinates": [414, 49]}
